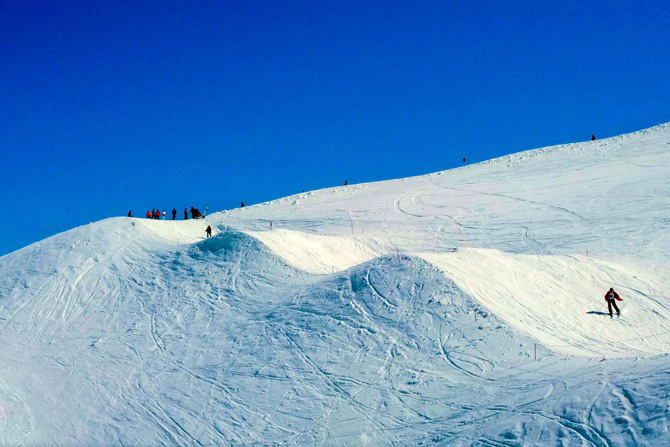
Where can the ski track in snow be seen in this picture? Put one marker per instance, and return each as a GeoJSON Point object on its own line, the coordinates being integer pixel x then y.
{"type": "Point", "coordinates": [352, 321]}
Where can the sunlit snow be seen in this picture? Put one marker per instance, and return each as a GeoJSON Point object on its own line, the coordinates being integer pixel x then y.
{"type": "Point", "coordinates": [460, 308]}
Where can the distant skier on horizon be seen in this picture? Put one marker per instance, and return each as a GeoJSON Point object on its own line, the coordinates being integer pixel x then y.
{"type": "Point", "coordinates": [208, 230]}
{"type": "Point", "coordinates": [130, 213]}
{"type": "Point", "coordinates": [174, 213]}
{"type": "Point", "coordinates": [593, 138]}
{"type": "Point", "coordinates": [185, 214]}
{"type": "Point", "coordinates": [610, 296]}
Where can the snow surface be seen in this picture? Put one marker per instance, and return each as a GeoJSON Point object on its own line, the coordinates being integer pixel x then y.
{"type": "Point", "coordinates": [459, 308]}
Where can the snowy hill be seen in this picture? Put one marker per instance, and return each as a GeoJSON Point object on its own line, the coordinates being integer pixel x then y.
{"type": "Point", "coordinates": [405, 312]}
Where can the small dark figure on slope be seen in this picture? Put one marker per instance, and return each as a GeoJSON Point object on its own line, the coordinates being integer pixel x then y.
{"type": "Point", "coordinates": [610, 297]}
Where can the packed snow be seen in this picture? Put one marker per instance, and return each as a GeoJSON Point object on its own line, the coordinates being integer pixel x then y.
{"type": "Point", "coordinates": [461, 308]}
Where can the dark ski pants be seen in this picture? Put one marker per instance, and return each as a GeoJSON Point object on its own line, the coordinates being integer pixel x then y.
{"type": "Point", "coordinates": [611, 303]}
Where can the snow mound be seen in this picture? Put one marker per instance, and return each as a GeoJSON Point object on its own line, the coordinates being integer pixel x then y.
{"type": "Point", "coordinates": [552, 298]}
{"type": "Point", "coordinates": [315, 253]}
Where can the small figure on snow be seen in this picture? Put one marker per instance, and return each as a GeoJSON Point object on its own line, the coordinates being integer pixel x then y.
{"type": "Point", "coordinates": [148, 214]}
{"type": "Point", "coordinates": [610, 296]}
{"type": "Point", "coordinates": [174, 213]}
{"type": "Point", "coordinates": [130, 213]}
{"type": "Point", "coordinates": [346, 183]}
{"type": "Point", "coordinates": [593, 138]}
{"type": "Point", "coordinates": [241, 204]}
{"type": "Point", "coordinates": [208, 230]}
{"type": "Point", "coordinates": [153, 213]}
{"type": "Point", "coordinates": [185, 214]}
{"type": "Point", "coordinates": [163, 214]}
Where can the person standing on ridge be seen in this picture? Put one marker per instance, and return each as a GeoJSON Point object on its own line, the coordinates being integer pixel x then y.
{"type": "Point", "coordinates": [174, 213]}
{"type": "Point", "coordinates": [130, 213]}
{"type": "Point", "coordinates": [241, 204]}
{"type": "Point", "coordinates": [148, 214]}
{"type": "Point", "coordinates": [153, 213]}
{"type": "Point", "coordinates": [185, 214]}
{"type": "Point", "coordinates": [208, 230]}
{"type": "Point", "coordinates": [163, 214]}
{"type": "Point", "coordinates": [593, 138]}
{"type": "Point", "coordinates": [610, 296]}
{"type": "Point", "coordinates": [346, 183]}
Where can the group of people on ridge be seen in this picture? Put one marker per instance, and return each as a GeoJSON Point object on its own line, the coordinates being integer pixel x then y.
{"type": "Point", "coordinates": [158, 215]}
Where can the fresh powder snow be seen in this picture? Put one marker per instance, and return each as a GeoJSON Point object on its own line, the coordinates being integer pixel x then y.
{"type": "Point", "coordinates": [460, 308]}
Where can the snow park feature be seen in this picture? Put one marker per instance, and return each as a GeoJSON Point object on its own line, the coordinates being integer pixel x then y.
{"type": "Point", "coordinates": [460, 308]}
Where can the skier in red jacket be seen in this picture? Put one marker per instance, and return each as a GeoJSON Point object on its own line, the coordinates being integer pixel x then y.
{"type": "Point", "coordinates": [610, 296]}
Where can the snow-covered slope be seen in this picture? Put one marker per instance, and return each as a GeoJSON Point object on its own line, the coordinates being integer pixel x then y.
{"type": "Point", "coordinates": [594, 215]}
{"type": "Point", "coordinates": [458, 308]}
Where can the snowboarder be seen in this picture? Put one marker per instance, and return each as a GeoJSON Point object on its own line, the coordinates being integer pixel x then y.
{"type": "Point", "coordinates": [174, 213]}
{"type": "Point", "coordinates": [185, 214]}
{"type": "Point", "coordinates": [208, 230]}
{"type": "Point", "coordinates": [610, 296]}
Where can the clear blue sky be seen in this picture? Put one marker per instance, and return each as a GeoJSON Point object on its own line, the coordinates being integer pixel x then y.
{"type": "Point", "coordinates": [111, 106]}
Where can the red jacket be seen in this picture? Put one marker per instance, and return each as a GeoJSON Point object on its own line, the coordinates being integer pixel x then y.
{"type": "Point", "coordinates": [616, 295]}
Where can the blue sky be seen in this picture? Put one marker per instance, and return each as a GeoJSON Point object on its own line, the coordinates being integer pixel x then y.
{"type": "Point", "coordinates": [111, 106]}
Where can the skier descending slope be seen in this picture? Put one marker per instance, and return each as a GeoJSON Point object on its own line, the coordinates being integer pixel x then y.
{"type": "Point", "coordinates": [610, 296]}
